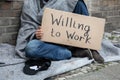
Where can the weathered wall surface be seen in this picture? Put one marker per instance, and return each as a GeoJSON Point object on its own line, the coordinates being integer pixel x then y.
{"type": "Point", "coordinates": [10, 16]}
{"type": "Point", "coordinates": [108, 9]}
{"type": "Point", "coordinates": [9, 21]}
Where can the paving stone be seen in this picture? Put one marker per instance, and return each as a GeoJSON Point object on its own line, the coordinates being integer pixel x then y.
{"type": "Point", "coordinates": [87, 69]}
{"type": "Point", "coordinates": [113, 63]}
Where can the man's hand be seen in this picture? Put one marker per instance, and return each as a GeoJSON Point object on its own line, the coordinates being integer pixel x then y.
{"type": "Point", "coordinates": [39, 33]}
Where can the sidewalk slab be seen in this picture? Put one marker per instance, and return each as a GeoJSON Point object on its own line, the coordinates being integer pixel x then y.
{"type": "Point", "coordinates": [109, 73]}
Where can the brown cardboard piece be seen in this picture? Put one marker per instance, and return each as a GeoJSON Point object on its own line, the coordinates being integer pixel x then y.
{"type": "Point", "coordinates": [72, 29]}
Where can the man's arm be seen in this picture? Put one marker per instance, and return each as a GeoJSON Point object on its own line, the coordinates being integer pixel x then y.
{"type": "Point", "coordinates": [29, 25]}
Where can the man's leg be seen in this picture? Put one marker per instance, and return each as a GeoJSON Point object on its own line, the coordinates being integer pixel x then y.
{"type": "Point", "coordinates": [82, 9]}
{"type": "Point", "coordinates": [39, 49]}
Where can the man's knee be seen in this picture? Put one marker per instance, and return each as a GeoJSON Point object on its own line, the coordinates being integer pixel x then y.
{"type": "Point", "coordinates": [68, 54]}
{"type": "Point", "coordinates": [32, 48]}
{"type": "Point", "coordinates": [81, 8]}
{"type": "Point", "coordinates": [65, 54]}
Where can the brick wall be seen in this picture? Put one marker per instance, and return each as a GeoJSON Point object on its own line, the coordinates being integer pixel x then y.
{"type": "Point", "coordinates": [9, 21]}
{"type": "Point", "coordinates": [108, 9]}
{"type": "Point", "coordinates": [10, 13]}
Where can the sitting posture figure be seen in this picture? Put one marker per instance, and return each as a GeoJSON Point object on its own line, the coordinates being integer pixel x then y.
{"type": "Point", "coordinates": [29, 44]}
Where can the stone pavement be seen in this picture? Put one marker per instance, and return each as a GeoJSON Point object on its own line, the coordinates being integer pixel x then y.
{"type": "Point", "coordinates": [107, 71]}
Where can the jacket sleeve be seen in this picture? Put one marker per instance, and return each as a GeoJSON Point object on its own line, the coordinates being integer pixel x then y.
{"type": "Point", "coordinates": [29, 24]}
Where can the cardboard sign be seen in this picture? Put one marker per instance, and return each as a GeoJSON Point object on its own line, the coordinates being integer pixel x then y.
{"type": "Point", "coordinates": [72, 29]}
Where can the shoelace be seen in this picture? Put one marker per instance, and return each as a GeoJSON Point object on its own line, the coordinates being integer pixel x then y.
{"type": "Point", "coordinates": [91, 55]}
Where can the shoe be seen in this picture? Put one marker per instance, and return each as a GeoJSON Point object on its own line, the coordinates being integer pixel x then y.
{"type": "Point", "coordinates": [97, 57]}
{"type": "Point", "coordinates": [86, 53]}
{"type": "Point", "coordinates": [81, 53]}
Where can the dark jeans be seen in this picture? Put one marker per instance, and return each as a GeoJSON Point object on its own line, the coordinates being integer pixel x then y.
{"type": "Point", "coordinates": [81, 8]}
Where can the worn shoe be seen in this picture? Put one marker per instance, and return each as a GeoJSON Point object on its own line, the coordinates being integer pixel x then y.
{"type": "Point", "coordinates": [97, 57]}
{"type": "Point", "coordinates": [86, 53]}
{"type": "Point", "coordinates": [81, 53]}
